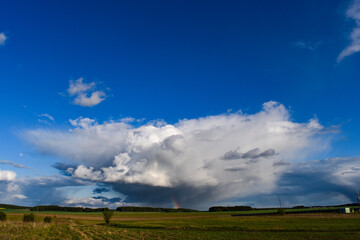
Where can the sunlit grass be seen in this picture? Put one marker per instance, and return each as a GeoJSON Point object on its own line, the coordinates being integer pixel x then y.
{"type": "Point", "coordinates": [200, 225]}
{"type": "Point", "coordinates": [36, 230]}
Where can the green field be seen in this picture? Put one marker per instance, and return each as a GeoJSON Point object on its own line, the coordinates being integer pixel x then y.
{"type": "Point", "coordinates": [198, 225]}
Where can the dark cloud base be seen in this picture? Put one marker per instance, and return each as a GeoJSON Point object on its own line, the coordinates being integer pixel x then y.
{"type": "Point", "coordinates": [187, 196]}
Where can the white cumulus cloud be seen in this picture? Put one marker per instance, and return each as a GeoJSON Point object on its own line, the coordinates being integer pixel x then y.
{"type": "Point", "coordinates": [88, 101]}
{"type": "Point", "coordinates": [354, 13]}
{"type": "Point", "coordinates": [84, 93]}
{"type": "Point", "coordinates": [193, 160]}
{"type": "Point", "coordinates": [6, 175]}
{"type": "Point", "coordinates": [78, 87]}
{"type": "Point", "coordinates": [93, 202]}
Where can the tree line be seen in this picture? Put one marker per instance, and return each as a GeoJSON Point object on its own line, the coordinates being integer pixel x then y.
{"type": "Point", "coordinates": [67, 209]}
{"type": "Point", "coordinates": [152, 209]}
{"type": "Point", "coordinates": [230, 208]}
{"type": "Point", "coordinates": [119, 209]}
{"type": "Point", "coordinates": [9, 206]}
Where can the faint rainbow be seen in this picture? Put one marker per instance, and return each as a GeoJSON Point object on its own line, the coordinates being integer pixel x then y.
{"type": "Point", "coordinates": [175, 203]}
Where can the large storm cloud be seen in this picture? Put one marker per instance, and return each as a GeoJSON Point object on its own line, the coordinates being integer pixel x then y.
{"type": "Point", "coordinates": [194, 161]}
{"type": "Point", "coordinates": [318, 182]}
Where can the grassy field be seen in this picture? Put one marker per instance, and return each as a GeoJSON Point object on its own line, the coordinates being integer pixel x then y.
{"type": "Point", "coordinates": [198, 225]}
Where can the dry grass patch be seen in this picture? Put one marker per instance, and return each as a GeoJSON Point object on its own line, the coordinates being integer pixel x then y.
{"type": "Point", "coordinates": [35, 230]}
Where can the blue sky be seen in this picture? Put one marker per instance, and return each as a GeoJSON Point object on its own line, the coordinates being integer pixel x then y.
{"type": "Point", "coordinates": [92, 92]}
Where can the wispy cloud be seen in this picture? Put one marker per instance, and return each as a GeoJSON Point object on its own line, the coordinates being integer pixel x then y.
{"type": "Point", "coordinates": [307, 44]}
{"type": "Point", "coordinates": [3, 38]}
{"type": "Point", "coordinates": [19, 196]}
{"type": "Point", "coordinates": [13, 164]}
{"type": "Point", "coordinates": [155, 161]}
{"type": "Point", "coordinates": [45, 118]}
{"type": "Point", "coordinates": [353, 13]}
{"type": "Point", "coordinates": [48, 116]}
{"type": "Point", "coordinates": [84, 93]}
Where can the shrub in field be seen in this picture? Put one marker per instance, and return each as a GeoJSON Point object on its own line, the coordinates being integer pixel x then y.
{"type": "Point", "coordinates": [107, 216]}
{"type": "Point", "coordinates": [2, 216]}
{"type": "Point", "coordinates": [29, 217]}
{"type": "Point", "coordinates": [47, 219]}
{"type": "Point", "coordinates": [281, 211]}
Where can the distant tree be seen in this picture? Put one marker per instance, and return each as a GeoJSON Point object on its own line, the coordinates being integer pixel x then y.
{"type": "Point", "coordinates": [230, 208]}
{"type": "Point", "coordinates": [29, 217]}
{"type": "Point", "coordinates": [2, 216]}
{"type": "Point", "coordinates": [299, 206]}
{"type": "Point", "coordinates": [47, 219]}
{"type": "Point", "coordinates": [108, 215]}
{"type": "Point", "coordinates": [281, 211]}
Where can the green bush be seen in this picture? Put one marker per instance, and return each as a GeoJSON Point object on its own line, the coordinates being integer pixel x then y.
{"type": "Point", "coordinates": [281, 211]}
{"type": "Point", "coordinates": [29, 217]}
{"type": "Point", "coordinates": [2, 216]}
{"type": "Point", "coordinates": [107, 216]}
{"type": "Point", "coordinates": [47, 219]}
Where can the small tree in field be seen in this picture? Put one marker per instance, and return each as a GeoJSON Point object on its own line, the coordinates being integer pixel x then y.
{"type": "Point", "coordinates": [281, 211]}
{"type": "Point", "coordinates": [108, 215]}
{"type": "Point", "coordinates": [2, 216]}
{"type": "Point", "coordinates": [47, 219]}
{"type": "Point", "coordinates": [29, 217]}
